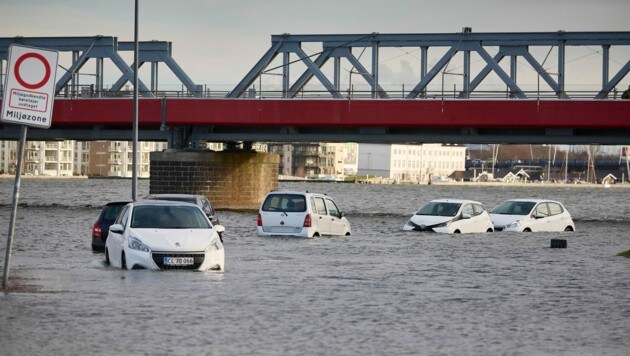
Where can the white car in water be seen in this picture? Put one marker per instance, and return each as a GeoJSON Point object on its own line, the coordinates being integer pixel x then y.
{"type": "Point", "coordinates": [531, 215]}
{"type": "Point", "coordinates": [301, 214]}
{"type": "Point", "coordinates": [452, 216]}
{"type": "Point", "coordinates": [164, 235]}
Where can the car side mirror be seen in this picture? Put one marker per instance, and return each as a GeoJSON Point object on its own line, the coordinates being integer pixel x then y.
{"type": "Point", "coordinates": [540, 216]}
{"type": "Point", "coordinates": [342, 214]}
{"type": "Point", "coordinates": [466, 216]}
{"type": "Point", "coordinates": [116, 228]}
{"type": "Point", "coordinates": [219, 228]}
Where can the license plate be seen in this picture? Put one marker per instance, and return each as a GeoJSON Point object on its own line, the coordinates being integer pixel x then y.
{"type": "Point", "coordinates": [179, 261]}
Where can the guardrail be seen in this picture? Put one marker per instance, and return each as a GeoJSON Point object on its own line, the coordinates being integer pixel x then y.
{"type": "Point", "coordinates": [354, 95]}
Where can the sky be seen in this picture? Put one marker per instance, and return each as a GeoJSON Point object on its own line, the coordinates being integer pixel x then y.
{"type": "Point", "coordinates": [218, 42]}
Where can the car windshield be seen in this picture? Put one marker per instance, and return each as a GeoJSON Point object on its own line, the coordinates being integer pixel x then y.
{"type": "Point", "coordinates": [288, 203]}
{"type": "Point", "coordinates": [439, 209]}
{"type": "Point", "coordinates": [514, 208]}
{"type": "Point", "coordinates": [168, 217]}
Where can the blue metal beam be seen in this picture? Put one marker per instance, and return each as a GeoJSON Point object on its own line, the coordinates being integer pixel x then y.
{"type": "Point", "coordinates": [614, 81]}
{"type": "Point", "coordinates": [511, 44]}
{"type": "Point", "coordinates": [307, 75]}
{"type": "Point", "coordinates": [255, 72]}
{"type": "Point", "coordinates": [100, 47]}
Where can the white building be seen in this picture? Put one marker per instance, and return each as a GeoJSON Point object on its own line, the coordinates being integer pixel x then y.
{"type": "Point", "coordinates": [67, 158]}
{"type": "Point", "coordinates": [410, 162]}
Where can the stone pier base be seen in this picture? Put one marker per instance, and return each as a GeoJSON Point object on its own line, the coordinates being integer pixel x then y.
{"type": "Point", "coordinates": [231, 180]}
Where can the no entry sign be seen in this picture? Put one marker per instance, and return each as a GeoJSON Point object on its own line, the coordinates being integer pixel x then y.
{"type": "Point", "coordinates": [29, 89]}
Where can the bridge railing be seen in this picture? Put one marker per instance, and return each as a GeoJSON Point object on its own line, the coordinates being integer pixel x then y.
{"type": "Point", "coordinates": [87, 92]}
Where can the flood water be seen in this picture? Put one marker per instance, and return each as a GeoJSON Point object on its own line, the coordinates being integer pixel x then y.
{"type": "Point", "coordinates": [380, 291]}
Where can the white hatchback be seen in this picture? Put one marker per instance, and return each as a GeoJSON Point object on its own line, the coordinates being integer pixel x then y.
{"type": "Point", "coordinates": [164, 235]}
{"type": "Point", "coordinates": [531, 215]}
{"type": "Point", "coordinates": [302, 214]}
{"type": "Point", "coordinates": [451, 216]}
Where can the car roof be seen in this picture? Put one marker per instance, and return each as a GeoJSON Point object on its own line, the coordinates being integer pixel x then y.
{"type": "Point", "coordinates": [161, 203]}
{"type": "Point", "coordinates": [154, 196]}
{"type": "Point", "coordinates": [460, 201]}
{"type": "Point", "coordinates": [122, 202]}
{"type": "Point", "coordinates": [283, 192]}
{"type": "Point", "coordinates": [534, 200]}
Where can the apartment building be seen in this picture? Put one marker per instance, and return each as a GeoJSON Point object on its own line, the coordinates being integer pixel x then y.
{"type": "Point", "coordinates": [311, 160]}
{"type": "Point", "coordinates": [115, 158]}
{"type": "Point", "coordinates": [67, 158]}
{"type": "Point", "coordinates": [54, 158]}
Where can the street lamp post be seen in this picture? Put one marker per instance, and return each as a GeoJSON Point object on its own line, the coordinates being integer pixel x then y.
{"type": "Point", "coordinates": [368, 168]}
{"type": "Point", "coordinates": [549, 165]}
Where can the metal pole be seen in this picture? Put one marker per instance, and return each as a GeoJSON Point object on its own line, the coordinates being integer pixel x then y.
{"type": "Point", "coordinates": [549, 165]}
{"type": "Point", "coordinates": [16, 195]}
{"type": "Point", "coordinates": [134, 159]}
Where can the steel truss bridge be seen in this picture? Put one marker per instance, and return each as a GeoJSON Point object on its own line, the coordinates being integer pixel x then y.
{"type": "Point", "coordinates": [294, 113]}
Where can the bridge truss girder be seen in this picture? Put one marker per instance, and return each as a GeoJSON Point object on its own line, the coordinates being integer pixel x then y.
{"type": "Point", "coordinates": [511, 45]}
{"type": "Point", "coordinates": [155, 52]}
{"type": "Point", "coordinates": [101, 48]}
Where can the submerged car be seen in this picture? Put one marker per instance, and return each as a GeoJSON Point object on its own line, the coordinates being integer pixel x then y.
{"type": "Point", "coordinates": [531, 215]}
{"type": "Point", "coordinates": [452, 216]}
{"type": "Point", "coordinates": [302, 214]}
{"type": "Point", "coordinates": [100, 229]}
{"type": "Point", "coordinates": [164, 235]}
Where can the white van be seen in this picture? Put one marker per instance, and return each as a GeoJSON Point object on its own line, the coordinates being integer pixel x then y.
{"type": "Point", "coordinates": [303, 214]}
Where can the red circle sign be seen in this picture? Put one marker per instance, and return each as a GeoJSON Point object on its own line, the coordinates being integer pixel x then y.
{"type": "Point", "coordinates": [22, 82]}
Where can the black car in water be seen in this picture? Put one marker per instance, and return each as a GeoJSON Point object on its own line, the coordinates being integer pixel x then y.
{"type": "Point", "coordinates": [101, 226]}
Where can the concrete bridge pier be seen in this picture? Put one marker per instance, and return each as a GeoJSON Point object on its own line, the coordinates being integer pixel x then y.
{"type": "Point", "coordinates": [232, 180]}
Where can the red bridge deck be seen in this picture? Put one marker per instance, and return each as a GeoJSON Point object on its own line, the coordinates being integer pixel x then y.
{"type": "Point", "coordinates": [374, 113]}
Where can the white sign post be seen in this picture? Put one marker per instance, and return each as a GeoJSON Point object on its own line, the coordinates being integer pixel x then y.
{"type": "Point", "coordinates": [29, 93]}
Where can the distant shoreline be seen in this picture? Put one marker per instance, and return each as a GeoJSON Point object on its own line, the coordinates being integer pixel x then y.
{"type": "Point", "coordinates": [552, 185]}
{"type": "Point", "coordinates": [12, 176]}
{"type": "Point", "coordinates": [378, 182]}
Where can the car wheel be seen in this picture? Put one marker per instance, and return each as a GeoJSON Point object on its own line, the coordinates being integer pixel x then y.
{"type": "Point", "coordinates": [568, 228]}
{"type": "Point", "coordinates": [316, 234]}
{"type": "Point", "coordinates": [490, 230]}
{"type": "Point", "coordinates": [123, 261]}
{"type": "Point", "coordinates": [107, 261]}
{"type": "Point", "coordinates": [527, 230]}
{"type": "Point", "coordinates": [457, 232]}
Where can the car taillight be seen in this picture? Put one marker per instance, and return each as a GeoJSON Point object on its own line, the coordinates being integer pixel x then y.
{"type": "Point", "coordinates": [307, 220]}
{"type": "Point", "coordinates": [259, 220]}
{"type": "Point", "coordinates": [96, 231]}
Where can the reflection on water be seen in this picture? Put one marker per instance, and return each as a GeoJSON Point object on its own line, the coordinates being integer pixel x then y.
{"type": "Point", "coordinates": [379, 291]}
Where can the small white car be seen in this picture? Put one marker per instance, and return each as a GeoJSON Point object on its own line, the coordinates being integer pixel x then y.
{"type": "Point", "coordinates": [164, 235]}
{"type": "Point", "coordinates": [302, 214]}
{"type": "Point", "coordinates": [451, 216]}
{"type": "Point", "coordinates": [531, 215]}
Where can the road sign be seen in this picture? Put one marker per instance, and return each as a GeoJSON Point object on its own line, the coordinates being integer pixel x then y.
{"type": "Point", "coordinates": [29, 89]}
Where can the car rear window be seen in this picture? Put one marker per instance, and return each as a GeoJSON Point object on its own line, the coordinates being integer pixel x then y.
{"type": "Point", "coordinates": [285, 203]}
{"type": "Point", "coordinates": [110, 212]}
